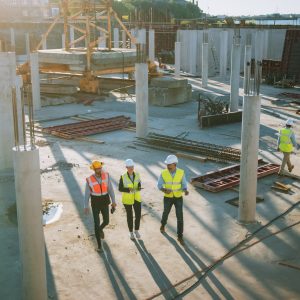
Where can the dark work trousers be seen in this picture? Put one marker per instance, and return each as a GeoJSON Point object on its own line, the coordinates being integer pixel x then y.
{"type": "Point", "coordinates": [178, 202]}
{"type": "Point", "coordinates": [100, 205]}
{"type": "Point", "coordinates": [137, 206]}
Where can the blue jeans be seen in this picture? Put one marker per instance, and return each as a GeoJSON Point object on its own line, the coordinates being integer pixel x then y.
{"type": "Point", "coordinates": [178, 202]}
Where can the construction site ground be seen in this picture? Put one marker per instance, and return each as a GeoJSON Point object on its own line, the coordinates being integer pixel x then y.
{"type": "Point", "coordinates": [150, 267]}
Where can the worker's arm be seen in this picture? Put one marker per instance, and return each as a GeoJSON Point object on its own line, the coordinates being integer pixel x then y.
{"type": "Point", "coordinates": [111, 192]}
{"type": "Point", "coordinates": [160, 183]}
{"type": "Point", "coordinates": [293, 140]}
{"type": "Point", "coordinates": [121, 186]}
{"type": "Point", "coordinates": [184, 185]}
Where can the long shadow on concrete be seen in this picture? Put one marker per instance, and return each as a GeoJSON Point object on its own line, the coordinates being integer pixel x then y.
{"type": "Point", "coordinates": [156, 272]}
{"type": "Point", "coordinates": [115, 275]}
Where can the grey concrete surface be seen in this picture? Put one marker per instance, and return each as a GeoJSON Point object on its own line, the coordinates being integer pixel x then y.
{"type": "Point", "coordinates": [139, 269]}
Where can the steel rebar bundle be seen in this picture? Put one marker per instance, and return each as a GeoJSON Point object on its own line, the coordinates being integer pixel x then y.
{"type": "Point", "coordinates": [216, 152]}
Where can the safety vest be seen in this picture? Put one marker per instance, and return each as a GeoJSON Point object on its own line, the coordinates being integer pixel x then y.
{"type": "Point", "coordinates": [96, 188]}
{"type": "Point", "coordinates": [173, 183]}
{"type": "Point", "coordinates": [285, 142]}
{"type": "Point", "coordinates": [128, 198]}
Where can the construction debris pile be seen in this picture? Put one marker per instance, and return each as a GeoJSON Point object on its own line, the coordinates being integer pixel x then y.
{"type": "Point", "coordinates": [214, 152]}
{"type": "Point", "coordinates": [85, 128]}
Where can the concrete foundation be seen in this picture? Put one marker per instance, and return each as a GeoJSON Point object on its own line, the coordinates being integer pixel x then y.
{"type": "Point", "coordinates": [249, 158]}
{"type": "Point", "coordinates": [168, 91]}
{"type": "Point", "coordinates": [141, 91]}
{"type": "Point", "coordinates": [8, 79]}
{"type": "Point", "coordinates": [30, 228]}
{"type": "Point", "coordinates": [35, 80]}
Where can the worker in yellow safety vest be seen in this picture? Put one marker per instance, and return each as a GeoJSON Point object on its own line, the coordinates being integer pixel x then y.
{"type": "Point", "coordinates": [286, 143]}
{"type": "Point", "coordinates": [130, 186]}
{"type": "Point", "coordinates": [99, 189]}
{"type": "Point", "coordinates": [172, 183]}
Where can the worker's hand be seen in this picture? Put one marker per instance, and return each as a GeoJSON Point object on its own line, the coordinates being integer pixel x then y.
{"type": "Point", "coordinates": [278, 149]}
{"type": "Point", "coordinates": [131, 190]}
{"type": "Point", "coordinates": [86, 210]}
{"type": "Point", "coordinates": [167, 191]}
{"type": "Point", "coordinates": [186, 192]}
{"type": "Point", "coordinates": [114, 205]}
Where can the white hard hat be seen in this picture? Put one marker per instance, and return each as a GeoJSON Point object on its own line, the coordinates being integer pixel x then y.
{"type": "Point", "coordinates": [289, 122]}
{"type": "Point", "coordinates": [129, 162]}
{"type": "Point", "coordinates": [171, 159]}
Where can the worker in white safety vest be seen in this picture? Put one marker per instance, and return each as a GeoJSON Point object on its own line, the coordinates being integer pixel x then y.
{"type": "Point", "coordinates": [172, 183]}
{"type": "Point", "coordinates": [286, 143]}
{"type": "Point", "coordinates": [130, 186]}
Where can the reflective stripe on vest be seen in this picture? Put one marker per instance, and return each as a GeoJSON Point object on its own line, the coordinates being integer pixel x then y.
{"type": "Point", "coordinates": [173, 183]}
{"type": "Point", "coordinates": [96, 188]}
{"type": "Point", "coordinates": [128, 198]}
{"type": "Point", "coordinates": [285, 144]}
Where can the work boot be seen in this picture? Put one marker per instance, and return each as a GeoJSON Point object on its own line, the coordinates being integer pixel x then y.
{"type": "Point", "coordinates": [162, 229]}
{"type": "Point", "coordinates": [99, 250]}
{"type": "Point", "coordinates": [291, 168]}
{"type": "Point", "coordinates": [101, 234]}
{"type": "Point", "coordinates": [131, 236]}
{"type": "Point", "coordinates": [181, 241]}
{"type": "Point", "coordinates": [137, 234]}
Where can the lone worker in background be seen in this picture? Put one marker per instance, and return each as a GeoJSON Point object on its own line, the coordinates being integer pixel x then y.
{"type": "Point", "coordinates": [286, 143]}
{"type": "Point", "coordinates": [173, 183]}
{"type": "Point", "coordinates": [99, 189]}
{"type": "Point", "coordinates": [130, 186]}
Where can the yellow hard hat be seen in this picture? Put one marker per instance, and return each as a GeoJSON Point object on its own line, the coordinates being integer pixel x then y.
{"type": "Point", "coordinates": [96, 164]}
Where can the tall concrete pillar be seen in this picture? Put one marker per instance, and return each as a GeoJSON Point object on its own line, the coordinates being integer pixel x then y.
{"type": "Point", "coordinates": [35, 80]}
{"type": "Point", "coordinates": [205, 59]}
{"type": "Point", "coordinates": [19, 85]}
{"type": "Point", "coordinates": [30, 228]}
{"type": "Point", "coordinates": [141, 37]}
{"type": "Point", "coordinates": [141, 91]}
{"type": "Point", "coordinates": [134, 34]}
{"type": "Point", "coordinates": [63, 38]}
{"type": "Point", "coordinates": [259, 42]}
{"type": "Point", "coordinates": [12, 40]}
{"type": "Point", "coordinates": [44, 42]}
{"type": "Point", "coordinates": [102, 40]}
{"type": "Point", "coordinates": [250, 141]}
{"type": "Point", "coordinates": [72, 35]}
{"type": "Point", "coordinates": [247, 57]}
{"type": "Point", "coordinates": [7, 80]}
{"type": "Point", "coordinates": [193, 51]}
{"type": "Point", "coordinates": [177, 59]}
{"type": "Point", "coordinates": [235, 72]}
{"type": "Point", "coordinates": [116, 38]}
{"type": "Point", "coordinates": [151, 44]}
{"type": "Point", "coordinates": [223, 53]}
{"type": "Point", "coordinates": [266, 44]}
{"type": "Point", "coordinates": [123, 39]}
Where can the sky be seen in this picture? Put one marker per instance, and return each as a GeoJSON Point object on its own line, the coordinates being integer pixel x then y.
{"type": "Point", "coordinates": [249, 7]}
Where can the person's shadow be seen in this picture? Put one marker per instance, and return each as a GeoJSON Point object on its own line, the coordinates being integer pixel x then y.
{"type": "Point", "coordinates": [163, 282]}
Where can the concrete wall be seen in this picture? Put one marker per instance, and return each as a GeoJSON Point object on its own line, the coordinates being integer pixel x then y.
{"type": "Point", "coordinates": [272, 47]}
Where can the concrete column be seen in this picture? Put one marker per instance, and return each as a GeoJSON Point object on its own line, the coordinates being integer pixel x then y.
{"type": "Point", "coordinates": [248, 171]}
{"type": "Point", "coordinates": [177, 59]}
{"type": "Point", "coordinates": [19, 85]}
{"type": "Point", "coordinates": [27, 42]}
{"type": "Point", "coordinates": [72, 35]}
{"type": "Point", "coordinates": [102, 40]}
{"type": "Point", "coordinates": [223, 53]}
{"type": "Point", "coordinates": [12, 40]}
{"type": "Point", "coordinates": [133, 33]}
{"type": "Point", "coordinates": [7, 80]}
{"type": "Point", "coordinates": [235, 73]}
{"type": "Point", "coordinates": [266, 45]}
{"type": "Point", "coordinates": [204, 60]}
{"type": "Point", "coordinates": [141, 37]}
{"type": "Point", "coordinates": [123, 39]}
{"type": "Point", "coordinates": [44, 42]}
{"type": "Point", "coordinates": [141, 90]}
{"type": "Point", "coordinates": [151, 44]}
{"type": "Point", "coordinates": [30, 228]}
{"type": "Point", "coordinates": [247, 57]}
{"type": "Point", "coordinates": [35, 80]}
{"type": "Point", "coordinates": [259, 45]}
{"type": "Point", "coordinates": [193, 51]}
{"type": "Point", "coordinates": [63, 38]}
{"type": "Point", "coordinates": [116, 38]}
